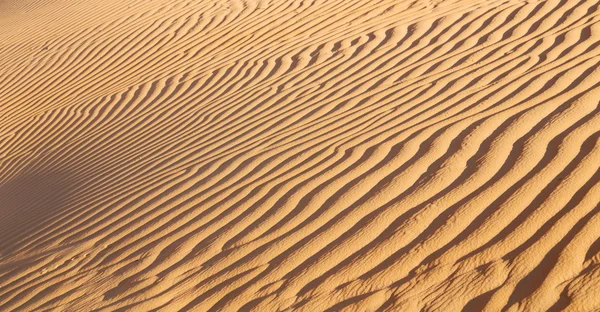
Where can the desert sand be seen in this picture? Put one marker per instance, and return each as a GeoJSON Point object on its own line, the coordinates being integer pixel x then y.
{"type": "Point", "coordinates": [310, 155]}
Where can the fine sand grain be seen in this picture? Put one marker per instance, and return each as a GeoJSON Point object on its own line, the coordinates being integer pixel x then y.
{"type": "Point", "coordinates": [312, 155]}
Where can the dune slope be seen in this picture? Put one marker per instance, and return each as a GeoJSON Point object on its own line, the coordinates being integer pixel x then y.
{"type": "Point", "coordinates": [313, 155]}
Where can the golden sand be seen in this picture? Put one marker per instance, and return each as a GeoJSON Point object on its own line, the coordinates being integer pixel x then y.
{"type": "Point", "coordinates": [311, 155]}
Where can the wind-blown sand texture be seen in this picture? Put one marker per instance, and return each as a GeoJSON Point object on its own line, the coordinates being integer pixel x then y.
{"type": "Point", "coordinates": [330, 155]}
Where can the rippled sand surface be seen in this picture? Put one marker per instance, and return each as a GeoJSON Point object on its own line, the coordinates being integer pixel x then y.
{"type": "Point", "coordinates": [311, 155]}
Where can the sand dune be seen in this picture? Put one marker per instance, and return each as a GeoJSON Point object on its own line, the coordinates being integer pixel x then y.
{"type": "Point", "coordinates": [313, 155]}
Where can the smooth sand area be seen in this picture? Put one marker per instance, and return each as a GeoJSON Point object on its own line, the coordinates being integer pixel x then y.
{"type": "Point", "coordinates": [310, 155]}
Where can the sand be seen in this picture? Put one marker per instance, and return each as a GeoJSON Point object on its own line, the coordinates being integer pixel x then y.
{"type": "Point", "coordinates": [310, 155]}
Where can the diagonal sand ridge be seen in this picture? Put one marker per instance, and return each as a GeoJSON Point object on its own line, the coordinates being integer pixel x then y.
{"type": "Point", "coordinates": [314, 155]}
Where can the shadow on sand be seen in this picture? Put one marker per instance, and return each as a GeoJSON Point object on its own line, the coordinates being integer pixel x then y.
{"type": "Point", "coordinates": [30, 201]}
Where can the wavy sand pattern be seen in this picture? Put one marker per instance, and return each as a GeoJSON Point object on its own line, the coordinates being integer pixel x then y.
{"type": "Point", "coordinates": [313, 155]}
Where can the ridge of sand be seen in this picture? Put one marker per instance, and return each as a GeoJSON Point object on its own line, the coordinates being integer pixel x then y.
{"type": "Point", "coordinates": [299, 155]}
